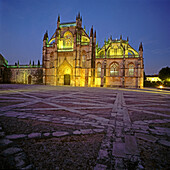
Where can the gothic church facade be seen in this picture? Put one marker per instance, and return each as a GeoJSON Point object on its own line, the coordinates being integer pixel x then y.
{"type": "Point", "coordinates": [72, 57]}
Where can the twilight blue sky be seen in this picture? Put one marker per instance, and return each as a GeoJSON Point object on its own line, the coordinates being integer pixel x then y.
{"type": "Point", "coordinates": [24, 22]}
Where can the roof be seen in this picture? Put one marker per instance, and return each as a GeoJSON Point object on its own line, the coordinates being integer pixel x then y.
{"type": "Point", "coordinates": [68, 24]}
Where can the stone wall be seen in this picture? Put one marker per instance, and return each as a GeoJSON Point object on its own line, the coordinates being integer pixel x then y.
{"type": "Point", "coordinates": [23, 75]}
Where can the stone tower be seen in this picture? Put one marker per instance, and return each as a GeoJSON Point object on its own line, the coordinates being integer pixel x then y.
{"type": "Point", "coordinates": [69, 55]}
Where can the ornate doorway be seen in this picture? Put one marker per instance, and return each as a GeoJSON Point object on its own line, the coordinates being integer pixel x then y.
{"type": "Point", "coordinates": [67, 79]}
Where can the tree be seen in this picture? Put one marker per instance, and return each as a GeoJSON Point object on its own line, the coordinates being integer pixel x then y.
{"type": "Point", "coordinates": [33, 63]}
{"type": "Point", "coordinates": [164, 74]}
{"type": "Point", "coordinates": [38, 63]}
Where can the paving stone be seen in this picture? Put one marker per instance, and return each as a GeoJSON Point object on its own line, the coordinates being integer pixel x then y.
{"type": "Point", "coordinates": [146, 137]}
{"type": "Point", "coordinates": [34, 135]}
{"type": "Point", "coordinates": [119, 164]}
{"type": "Point", "coordinates": [10, 115]}
{"type": "Point", "coordinates": [69, 123]}
{"type": "Point", "coordinates": [79, 121]}
{"type": "Point", "coordinates": [163, 130]}
{"type": "Point", "coordinates": [119, 123]}
{"type": "Point", "coordinates": [140, 167]}
{"type": "Point", "coordinates": [16, 136]}
{"type": "Point", "coordinates": [59, 133]}
{"type": "Point", "coordinates": [157, 132]}
{"type": "Point", "coordinates": [28, 167]}
{"type": "Point", "coordinates": [119, 140]}
{"type": "Point", "coordinates": [77, 132]}
{"type": "Point", "coordinates": [131, 145]}
{"type": "Point", "coordinates": [55, 118]}
{"type": "Point", "coordinates": [98, 126]}
{"type": "Point", "coordinates": [100, 167]}
{"type": "Point", "coordinates": [86, 131]}
{"type": "Point", "coordinates": [89, 123]}
{"type": "Point", "coordinates": [11, 151]}
{"type": "Point", "coordinates": [19, 160]}
{"type": "Point", "coordinates": [164, 142]}
{"type": "Point", "coordinates": [103, 154]}
{"type": "Point", "coordinates": [44, 120]}
{"type": "Point", "coordinates": [22, 117]}
{"type": "Point", "coordinates": [46, 134]}
{"type": "Point", "coordinates": [141, 131]}
{"type": "Point", "coordinates": [118, 132]}
{"type": "Point", "coordinates": [118, 149]}
{"type": "Point", "coordinates": [98, 130]}
{"type": "Point", "coordinates": [5, 142]}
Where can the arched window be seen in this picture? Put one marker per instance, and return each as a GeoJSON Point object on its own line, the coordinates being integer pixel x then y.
{"type": "Point", "coordinates": [131, 70]}
{"type": "Point", "coordinates": [83, 61]}
{"type": "Point", "coordinates": [68, 40]}
{"type": "Point", "coordinates": [99, 70]}
{"type": "Point", "coordinates": [114, 69]}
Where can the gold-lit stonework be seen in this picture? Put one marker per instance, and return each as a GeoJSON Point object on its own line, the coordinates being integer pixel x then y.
{"type": "Point", "coordinates": [72, 57]}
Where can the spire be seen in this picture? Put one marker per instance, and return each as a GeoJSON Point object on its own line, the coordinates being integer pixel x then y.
{"type": "Point", "coordinates": [78, 17]}
{"type": "Point", "coordinates": [141, 47]}
{"type": "Point", "coordinates": [81, 18]}
{"type": "Point", "coordinates": [45, 35]}
{"type": "Point", "coordinates": [95, 34]}
{"type": "Point", "coordinates": [91, 32]}
{"type": "Point", "coordinates": [58, 18]}
{"type": "Point", "coordinates": [127, 38]}
{"type": "Point", "coordinates": [120, 37]}
{"type": "Point", "coordinates": [58, 21]}
{"type": "Point", "coordinates": [111, 37]}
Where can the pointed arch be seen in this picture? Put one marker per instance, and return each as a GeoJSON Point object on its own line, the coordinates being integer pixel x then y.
{"type": "Point", "coordinates": [114, 69]}
{"type": "Point", "coordinates": [131, 69]}
{"type": "Point", "coordinates": [68, 39]}
{"type": "Point", "coordinates": [83, 58]}
{"type": "Point", "coordinates": [65, 68]}
{"type": "Point", "coordinates": [99, 69]}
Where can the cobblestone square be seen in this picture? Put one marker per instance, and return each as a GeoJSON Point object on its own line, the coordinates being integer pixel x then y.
{"type": "Point", "coordinates": [63, 127]}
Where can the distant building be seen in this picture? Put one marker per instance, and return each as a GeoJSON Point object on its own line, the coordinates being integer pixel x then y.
{"type": "Point", "coordinates": [72, 57]}
{"type": "Point", "coordinates": [153, 78]}
{"type": "Point", "coordinates": [22, 74]}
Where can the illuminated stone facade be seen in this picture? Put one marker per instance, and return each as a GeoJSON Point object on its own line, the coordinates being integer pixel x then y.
{"type": "Point", "coordinates": [119, 65]}
{"type": "Point", "coordinates": [71, 57]}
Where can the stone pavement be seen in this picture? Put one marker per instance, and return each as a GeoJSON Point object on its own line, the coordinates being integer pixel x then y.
{"type": "Point", "coordinates": [131, 122]}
